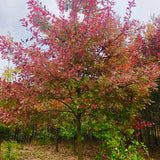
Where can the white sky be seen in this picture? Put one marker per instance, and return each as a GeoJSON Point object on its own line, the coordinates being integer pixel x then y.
{"type": "Point", "coordinates": [13, 10]}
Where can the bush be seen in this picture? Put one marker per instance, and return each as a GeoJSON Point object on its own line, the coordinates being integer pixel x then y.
{"type": "Point", "coordinates": [117, 145]}
{"type": "Point", "coordinates": [43, 136]}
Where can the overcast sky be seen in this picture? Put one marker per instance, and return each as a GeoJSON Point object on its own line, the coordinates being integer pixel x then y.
{"type": "Point", "coordinates": [11, 11]}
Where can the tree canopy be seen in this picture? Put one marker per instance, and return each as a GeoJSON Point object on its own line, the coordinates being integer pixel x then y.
{"type": "Point", "coordinates": [86, 60]}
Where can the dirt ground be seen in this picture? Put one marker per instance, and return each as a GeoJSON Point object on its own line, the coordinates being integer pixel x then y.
{"type": "Point", "coordinates": [154, 152]}
{"type": "Point", "coordinates": [47, 152]}
{"type": "Point", "coordinates": [31, 152]}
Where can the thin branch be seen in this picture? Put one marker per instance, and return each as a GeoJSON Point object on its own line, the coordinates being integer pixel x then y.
{"type": "Point", "coordinates": [57, 110]}
{"type": "Point", "coordinates": [64, 104]}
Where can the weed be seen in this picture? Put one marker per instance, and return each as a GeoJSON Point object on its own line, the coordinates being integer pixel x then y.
{"type": "Point", "coordinates": [9, 151]}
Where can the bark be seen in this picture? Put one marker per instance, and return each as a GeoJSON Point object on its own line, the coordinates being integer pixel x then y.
{"type": "Point", "coordinates": [148, 135]}
{"type": "Point", "coordinates": [74, 146]}
{"type": "Point", "coordinates": [79, 141]}
{"type": "Point", "coordinates": [1, 140]}
{"type": "Point", "coordinates": [155, 136]}
{"type": "Point", "coordinates": [56, 139]}
{"type": "Point", "coordinates": [34, 133]}
{"type": "Point", "coordinates": [16, 132]}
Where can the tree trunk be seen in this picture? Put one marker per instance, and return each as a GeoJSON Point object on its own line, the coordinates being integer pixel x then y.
{"type": "Point", "coordinates": [1, 140]}
{"type": "Point", "coordinates": [148, 135]}
{"type": "Point", "coordinates": [155, 135]}
{"type": "Point", "coordinates": [74, 145]}
{"type": "Point", "coordinates": [56, 139]}
{"type": "Point", "coordinates": [79, 141]}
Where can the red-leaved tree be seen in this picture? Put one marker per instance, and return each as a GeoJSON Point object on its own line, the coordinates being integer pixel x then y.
{"type": "Point", "coordinates": [86, 59]}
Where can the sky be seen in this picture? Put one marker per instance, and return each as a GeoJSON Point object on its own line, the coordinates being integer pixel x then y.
{"type": "Point", "coordinates": [11, 11]}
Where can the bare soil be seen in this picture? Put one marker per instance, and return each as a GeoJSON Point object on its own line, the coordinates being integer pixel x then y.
{"type": "Point", "coordinates": [35, 151]}
{"type": "Point", "coordinates": [154, 152]}
{"type": "Point", "coordinates": [47, 152]}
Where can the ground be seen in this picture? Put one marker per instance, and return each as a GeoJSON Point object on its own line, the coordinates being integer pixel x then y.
{"type": "Point", "coordinates": [154, 152]}
{"type": "Point", "coordinates": [47, 152]}
{"type": "Point", "coordinates": [43, 152]}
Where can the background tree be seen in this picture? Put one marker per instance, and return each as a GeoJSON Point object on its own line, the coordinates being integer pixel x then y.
{"type": "Point", "coordinates": [149, 115]}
